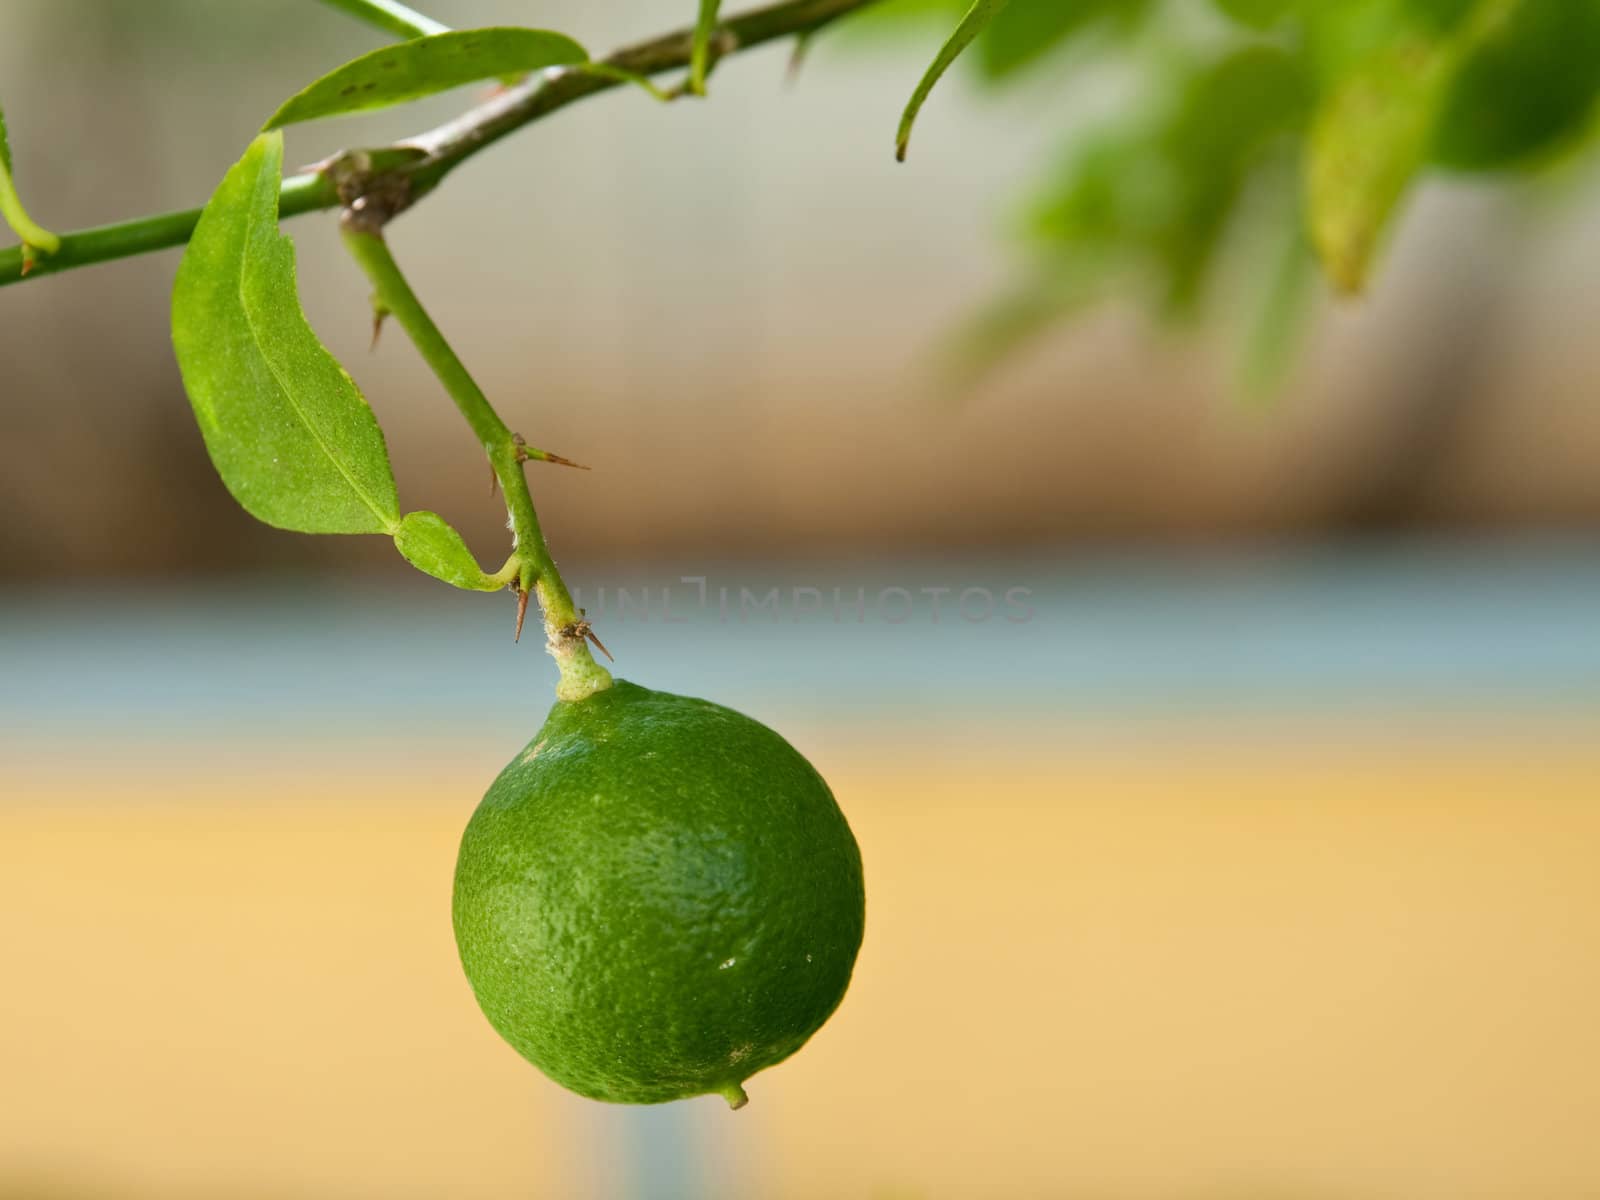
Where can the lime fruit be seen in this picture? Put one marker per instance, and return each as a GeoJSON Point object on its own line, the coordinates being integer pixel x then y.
{"type": "Point", "coordinates": [657, 898]}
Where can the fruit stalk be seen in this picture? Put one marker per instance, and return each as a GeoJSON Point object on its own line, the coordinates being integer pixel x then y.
{"type": "Point", "coordinates": [565, 630]}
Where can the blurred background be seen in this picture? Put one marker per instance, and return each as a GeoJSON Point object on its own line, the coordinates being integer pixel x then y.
{"type": "Point", "coordinates": [1223, 757]}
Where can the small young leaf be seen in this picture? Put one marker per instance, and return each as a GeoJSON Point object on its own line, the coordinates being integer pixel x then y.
{"type": "Point", "coordinates": [432, 546]}
{"type": "Point", "coordinates": [288, 432]}
{"type": "Point", "coordinates": [978, 16]}
{"type": "Point", "coordinates": [700, 54]}
{"type": "Point", "coordinates": [423, 66]}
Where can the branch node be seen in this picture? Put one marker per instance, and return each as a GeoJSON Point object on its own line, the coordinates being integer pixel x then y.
{"type": "Point", "coordinates": [369, 197]}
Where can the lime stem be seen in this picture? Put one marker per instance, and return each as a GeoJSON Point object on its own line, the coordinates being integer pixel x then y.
{"type": "Point", "coordinates": [566, 632]}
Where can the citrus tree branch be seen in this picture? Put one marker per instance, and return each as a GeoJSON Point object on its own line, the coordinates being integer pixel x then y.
{"type": "Point", "coordinates": [446, 147]}
{"type": "Point", "coordinates": [566, 631]}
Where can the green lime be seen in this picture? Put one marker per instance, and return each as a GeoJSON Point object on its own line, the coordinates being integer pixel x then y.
{"type": "Point", "coordinates": [657, 898]}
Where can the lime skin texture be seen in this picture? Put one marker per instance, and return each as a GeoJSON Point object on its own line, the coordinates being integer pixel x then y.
{"type": "Point", "coordinates": [657, 898]}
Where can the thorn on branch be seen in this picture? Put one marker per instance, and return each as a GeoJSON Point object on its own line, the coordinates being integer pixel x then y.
{"type": "Point", "coordinates": [546, 456]}
{"type": "Point", "coordinates": [580, 631]}
{"type": "Point", "coordinates": [522, 612]}
{"type": "Point", "coordinates": [525, 452]}
{"type": "Point", "coordinates": [797, 58]}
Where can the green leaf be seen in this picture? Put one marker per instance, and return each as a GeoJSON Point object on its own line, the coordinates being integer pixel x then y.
{"type": "Point", "coordinates": [287, 430]}
{"type": "Point", "coordinates": [1367, 144]}
{"type": "Point", "coordinates": [1278, 322]}
{"type": "Point", "coordinates": [1257, 14]}
{"type": "Point", "coordinates": [1159, 190]}
{"type": "Point", "coordinates": [1232, 116]}
{"type": "Point", "coordinates": [1028, 30]}
{"type": "Point", "coordinates": [5, 144]}
{"type": "Point", "coordinates": [1530, 85]}
{"type": "Point", "coordinates": [431, 545]}
{"type": "Point", "coordinates": [424, 66]}
{"type": "Point", "coordinates": [1372, 133]}
{"type": "Point", "coordinates": [978, 16]}
{"type": "Point", "coordinates": [390, 16]}
{"type": "Point", "coordinates": [700, 55]}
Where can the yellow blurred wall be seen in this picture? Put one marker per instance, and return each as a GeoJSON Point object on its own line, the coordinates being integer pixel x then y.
{"type": "Point", "coordinates": [1320, 964]}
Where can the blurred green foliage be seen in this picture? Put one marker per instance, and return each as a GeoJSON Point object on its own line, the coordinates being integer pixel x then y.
{"type": "Point", "coordinates": [1287, 131]}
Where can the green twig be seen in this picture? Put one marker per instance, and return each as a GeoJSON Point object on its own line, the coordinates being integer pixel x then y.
{"type": "Point", "coordinates": [36, 239]}
{"type": "Point", "coordinates": [390, 16]}
{"type": "Point", "coordinates": [300, 194]}
{"type": "Point", "coordinates": [700, 53]}
{"type": "Point", "coordinates": [565, 629]}
{"type": "Point", "coordinates": [451, 144]}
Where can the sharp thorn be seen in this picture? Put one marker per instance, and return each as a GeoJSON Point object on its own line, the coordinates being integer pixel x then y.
{"type": "Point", "coordinates": [593, 637]}
{"type": "Point", "coordinates": [522, 612]}
{"type": "Point", "coordinates": [559, 461]}
{"type": "Point", "coordinates": [797, 60]}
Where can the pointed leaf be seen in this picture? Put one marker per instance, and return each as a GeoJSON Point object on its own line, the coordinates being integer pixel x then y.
{"type": "Point", "coordinates": [431, 545]}
{"type": "Point", "coordinates": [287, 430]}
{"type": "Point", "coordinates": [1367, 142]}
{"type": "Point", "coordinates": [978, 16]}
{"type": "Point", "coordinates": [423, 66]}
{"type": "Point", "coordinates": [1371, 135]}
